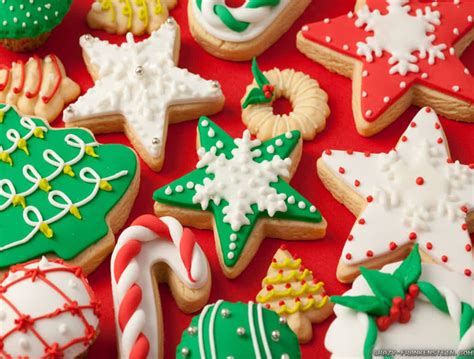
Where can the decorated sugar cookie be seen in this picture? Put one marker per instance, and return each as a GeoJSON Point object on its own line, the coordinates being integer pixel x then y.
{"type": "Point", "coordinates": [37, 87]}
{"type": "Point", "coordinates": [290, 290]}
{"type": "Point", "coordinates": [309, 102]}
{"type": "Point", "coordinates": [416, 193]}
{"type": "Point", "coordinates": [61, 192]}
{"type": "Point", "coordinates": [152, 250]}
{"type": "Point", "coordinates": [47, 310]}
{"type": "Point", "coordinates": [240, 33]}
{"type": "Point", "coordinates": [238, 330]}
{"type": "Point", "coordinates": [140, 90]}
{"type": "Point", "coordinates": [398, 53]}
{"type": "Point", "coordinates": [26, 24]}
{"type": "Point", "coordinates": [122, 16]}
{"type": "Point", "coordinates": [240, 189]}
{"type": "Point", "coordinates": [407, 306]}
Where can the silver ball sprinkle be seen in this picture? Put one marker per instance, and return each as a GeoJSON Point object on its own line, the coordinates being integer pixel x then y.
{"type": "Point", "coordinates": [139, 70]}
{"type": "Point", "coordinates": [225, 313]}
{"type": "Point", "coordinates": [283, 321]}
{"type": "Point", "coordinates": [155, 141]}
{"type": "Point", "coordinates": [276, 335]}
{"type": "Point", "coordinates": [185, 352]}
{"type": "Point", "coordinates": [69, 110]}
{"type": "Point", "coordinates": [192, 331]}
{"type": "Point", "coordinates": [170, 20]}
{"type": "Point", "coordinates": [285, 356]}
{"type": "Point", "coordinates": [216, 84]}
{"type": "Point", "coordinates": [240, 331]}
{"type": "Point", "coordinates": [87, 37]}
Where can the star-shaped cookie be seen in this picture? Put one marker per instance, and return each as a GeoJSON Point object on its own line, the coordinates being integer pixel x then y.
{"type": "Point", "coordinates": [398, 53]}
{"type": "Point", "coordinates": [240, 189]}
{"type": "Point", "coordinates": [413, 194]}
{"type": "Point", "coordinates": [139, 89]}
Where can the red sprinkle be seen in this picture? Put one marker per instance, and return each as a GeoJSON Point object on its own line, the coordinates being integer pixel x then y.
{"type": "Point", "coordinates": [444, 259]}
{"type": "Point", "coordinates": [468, 247]}
{"type": "Point", "coordinates": [281, 303]}
{"type": "Point", "coordinates": [413, 124]}
{"type": "Point", "coordinates": [350, 237]}
{"type": "Point", "coordinates": [342, 170]}
{"type": "Point", "coordinates": [269, 287]}
{"type": "Point", "coordinates": [370, 199]}
{"type": "Point", "coordinates": [404, 138]}
{"type": "Point", "coordinates": [348, 256]}
{"type": "Point", "coordinates": [428, 109]}
{"type": "Point", "coordinates": [437, 126]}
{"type": "Point", "coordinates": [449, 160]}
{"type": "Point", "coordinates": [370, 253]}
{"type": "Point", "coordinates": [464, 227]}
{"type": "Point", "coordinates": [467, 272]}
{"type": "Point", "coordinates": [288, 285]}
{"type": "Point", "coordinates": [412, 236]}
{"type": "Point", "coordinates": [429, 245]}
{"type": "Point", "coordinates": [357, 183]}
{"type": "Point", "coordinates": [420, 181]}
{"type": "Point", "coordinates": [362, 221]}
{"type": "Point", "coordinates": [283, 247]}
{"type": "Point", "coordinates": [350, 152]}
{"type": "Point", "coordinates": [440, 140]}
{"type": "Point", "coordinates": [464, 209]}
{"type": "Point", "coordinates": [367, 154]}
{"type": "Point", "coordinates": [393, 246]}
{"type": "Point", "coordinates": [328, 152]}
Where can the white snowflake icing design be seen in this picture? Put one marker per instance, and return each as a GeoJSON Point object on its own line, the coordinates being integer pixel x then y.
{"type": "Point", "coordinates": [415, 193]}
{"type": "Point", "coordinates": [241, 181]}
{"type": "Point", "coordinates": [140, 81]}
{"type": "Point", "coordinates": [401, 35]}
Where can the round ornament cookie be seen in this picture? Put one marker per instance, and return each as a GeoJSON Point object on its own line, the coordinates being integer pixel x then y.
{"type": "Point", "coordinates": [240, 190]}
{"type": "Point", "coordinates": [47, 310]}
{"type": "Point", "coordinates": [135, 16]}
{"type": "Point", "coordinates": [37, 87]}
{"type": "Point", "coordinates": [154, 250]}
{"type": "Point", "coordinates": [416, 193]}
{"type": "Point", "coordinates": [240, 33]}
{"type": "Point", "coordinates": [398, 53]}
{"type": "Point", "coordinates": [239, 331]}
{"type": "Point", "coordinates": [61, 193]}
{"type": "Point", "coordinates": [26, 24]}
{"type": "Point", "coordinates": [140, 90]}
{"type": "Point", "coordinates": [309, 104]}
{"type": "Point", "coordinates": [407, 306]}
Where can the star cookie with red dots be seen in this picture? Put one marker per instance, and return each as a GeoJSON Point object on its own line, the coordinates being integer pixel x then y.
{"type": "Point", "coordinates": [413, 194]}
{"type": "Point", "coordinates": [398, 53]}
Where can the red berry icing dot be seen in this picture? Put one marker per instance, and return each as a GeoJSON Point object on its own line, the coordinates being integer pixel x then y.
{"type": "Point", "coordinates": [420, 181]}
{"type": "Point", "coordinates": [440, 140]}
{"type": "Point", "coordinates": [437, 126]}
{"type": "Point", "coordinates": [468, 247]}
{"type": "Point", "coordinates": [428, 109]}
{"type": "Point", "coordinates": [404, 138]}
{"type": "Point", "coordinates": [444, 259]}
{"type": "Point", "coordinates": [467, 272]}
{"type": "Point", "coordinates": [357, 183]}
{"type": "Point", "coordinates": [370, 253]}
{"type": "Point", "coordinates": [464, 227]}
{"type": "Point", "coordinates": [413, 124]}
{"type": "Point", "coordinates": [370, 199]}
{"type": "Point", "coordinates": [412, 236]}
{"type": "Point", "coordinates": [342, 170]}
{"type": "Point", "coordinates": [348, 256]}
{"type": "Point", "coordinates": [429, 245]}
{"type": "Point", "coordinates": [350, 237]}
{"type": "Point", "coordinates": [393, 246]}
{"type": "Point", "coordinates": [362, 221]}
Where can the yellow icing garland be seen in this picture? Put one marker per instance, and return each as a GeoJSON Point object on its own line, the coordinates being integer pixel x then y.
{"type": "Point", "coordinates": [300, 307]}
{"type": "Point", "coordinates": [290, 292]}
{"type": "Point", "coordinates": [127, 10]}
{"type": "Point", "coordinates": [107, 5]}
{"type": "Point", "coordinates": [294, 275]}
{"type": "Point", "coordinates": [287, 263]}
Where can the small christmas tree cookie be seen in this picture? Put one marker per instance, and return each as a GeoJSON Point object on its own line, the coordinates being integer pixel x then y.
{"type": "Point", "coordinates": [291, 290]}
{"type": "Point", "coordinates": [61, 193]}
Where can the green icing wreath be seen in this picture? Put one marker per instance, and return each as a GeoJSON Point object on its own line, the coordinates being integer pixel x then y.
{"type": "Point", "coordinates": [31, 18]}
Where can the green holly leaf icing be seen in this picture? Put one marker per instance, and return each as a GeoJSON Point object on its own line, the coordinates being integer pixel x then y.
{"type": "Point", "coordinates": [256, 96]}
{"type": "Point", "coordinates": [55, 198]}
{"type": "Point", "coordinates": [183, 192]}
{"type": "Point", "coordinates": [260, 78]}
{"type": "Point", "coordinates": [410, 270]}
{"type": "Point", "coordinates": [219, 324]}
{"type": "Point", "coordinates": [363, 303]}
{"type": "Point", "coordinates": [384, 285]}
{"type": "Point", "coordinates": [26, 18]}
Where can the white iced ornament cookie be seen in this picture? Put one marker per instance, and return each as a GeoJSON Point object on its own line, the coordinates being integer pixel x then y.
{"type": "Point", "coordinates": [47, 310]}
{"type": "Point", "coordinates": [414, 194]}
{"type": "Point", "coordinates": [139, 88]}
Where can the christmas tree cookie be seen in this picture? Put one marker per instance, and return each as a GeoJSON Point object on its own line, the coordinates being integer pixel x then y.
{"type": "Point", "coordinates": [240, 189]}
{"type": "Point", "coordinates": [61, 193]}
{"type": "Point", "coordinates": [398, 53]}
{"type": "Point", "coordinates": [291, 290]}
{"type": "Point", "coordinates": [239, 331]}
{"type": "Point", "coordinates": [415, 193]}
{"type": "Point", "coordinates": [409, 305]}
{"type": "Point", "coordinates": [122, 16]}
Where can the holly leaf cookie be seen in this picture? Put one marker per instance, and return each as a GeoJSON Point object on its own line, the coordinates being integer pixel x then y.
{"type": "Point", "coordinates": [139, 89]}
{"type": "Point", "coordinates": [398, 53]}
{"type": "Point", "coordinates": [61, 193]}
{"type": "Point", "coordinates": [416, 193]}
{"type": "Point", "coordinates": [122, 16]}
{"type": "Point", "coordinates": [240, 189]}
{"type": "Point", "coordinates": [291, 290]}
{"type": "Point", "coordinates": [432, 311]}
{"type": "Point", "coordinates": [38, 87]}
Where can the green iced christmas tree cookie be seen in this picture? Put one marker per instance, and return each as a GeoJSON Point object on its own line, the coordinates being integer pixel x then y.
{"type": "Point", "coordinates": [58, 188]}
{"type": "Point", "coordinates": [239, 331]}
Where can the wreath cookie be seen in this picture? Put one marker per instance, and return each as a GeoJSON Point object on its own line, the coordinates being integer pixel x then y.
{"type": "Point", "coordinates": [240, 189]}
{"type": "Point", "coordinates": [415, 193]}
{"type": "Point", "coordinates": [61, 193]}
{"type": "Point", "coordinates": [47, 310]}
{"type": "Point", "coordinates": [398, 53]}
{"type": "Point", "coordinates": [407, 305]}
{"type": "Point", "coordinates": [135, 16]}
{"type": "Point", "coordinates": [37, 87]}
{"type": "Point", "coordinates": [238, 330]}
{"type": "Point", "coordinates": [26, 24]}
{"type": "Point", "coordinates": [238, 34]}
{"type": "Point", "coordinates": [309, 102]}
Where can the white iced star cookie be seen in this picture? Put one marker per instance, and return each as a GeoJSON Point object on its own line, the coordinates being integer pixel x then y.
{"type": "Point", "coordinates": [413, 194]}
{"type": "Point", "coordinates": [139, 89]}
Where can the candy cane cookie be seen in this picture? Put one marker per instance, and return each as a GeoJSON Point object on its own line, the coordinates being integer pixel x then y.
{"type": "Point", "coordinates": [240, 33]}
{"type": "Point", "coordinates": [309, 104]}
{"type": "Point", "coordinates": [150, 251]}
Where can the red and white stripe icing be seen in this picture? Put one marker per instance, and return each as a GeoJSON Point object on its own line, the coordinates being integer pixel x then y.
{"type": "Point", "coordinates": [148, 241]}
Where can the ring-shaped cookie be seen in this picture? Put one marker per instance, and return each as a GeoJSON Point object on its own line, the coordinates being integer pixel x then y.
{"type": "Point", "coordinates": [308, 100]}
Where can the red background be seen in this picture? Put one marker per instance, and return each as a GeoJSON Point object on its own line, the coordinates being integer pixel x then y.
{"type": "Point", "coordinates": [322, 255]}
